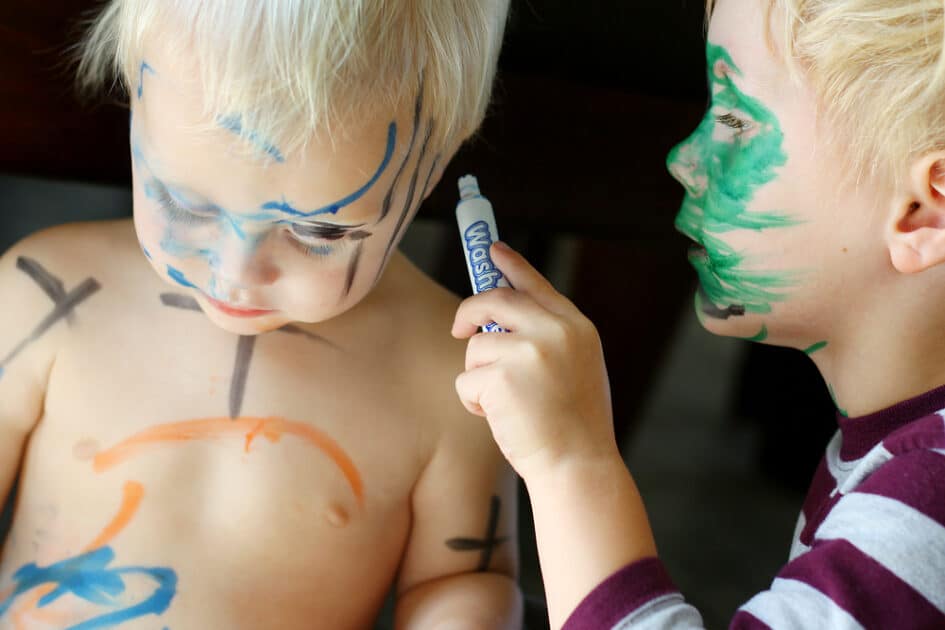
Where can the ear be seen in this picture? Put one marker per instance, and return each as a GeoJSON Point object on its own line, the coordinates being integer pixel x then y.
{"type": "Point", "coordinates": [916, 234]}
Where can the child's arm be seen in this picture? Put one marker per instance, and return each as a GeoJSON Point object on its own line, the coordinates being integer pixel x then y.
{"type": "Point", "coordinates": [877, 558]}
{"type": "Point", "coordinates": [33, 309]}
{"type": "Point", "coordinates": [544, 390]}
{"type": "Point", "coordinates": [459, 568]}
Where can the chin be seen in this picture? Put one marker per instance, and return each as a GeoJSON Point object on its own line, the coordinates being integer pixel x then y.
{"type": "Point", "coordinates": [245, 327]}
{"type": "Point", "coordinates": [730, 322]}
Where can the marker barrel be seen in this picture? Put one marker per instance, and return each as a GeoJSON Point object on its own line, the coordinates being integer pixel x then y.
{"type": "Point", "coordinates": [478, 231]}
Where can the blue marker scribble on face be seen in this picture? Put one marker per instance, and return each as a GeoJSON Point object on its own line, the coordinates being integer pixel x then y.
{"type": "Point", "coordinates": [178, 276]}
{"type": "Point", "coordinates": [145, 67]}
{"type": "Point", "coordinates": [177, 208]}
{"type": "Point", "coordinates": [173, 247]}
{"type": "Point", "coordinates": [147, 254]}
{"type": "Point", "coordinates": [234, 123]}
{"type": "Point", "coordinates": [235, 222]}
{"type": "Point", "coordinates": [88, 577]}
{"type": "Point", "coordinates": [333, 208]}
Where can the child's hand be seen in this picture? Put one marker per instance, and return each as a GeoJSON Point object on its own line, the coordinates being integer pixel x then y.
{"type": "Point", "coordinates": [543, 386]}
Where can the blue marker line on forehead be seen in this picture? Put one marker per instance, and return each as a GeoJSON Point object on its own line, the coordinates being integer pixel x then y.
{"type": "Point", "coordinates": [333, 208]}
{"type": "Point", "coordinates": [145, 67]}
{"type": "Point", "coordinates": [234, 123]}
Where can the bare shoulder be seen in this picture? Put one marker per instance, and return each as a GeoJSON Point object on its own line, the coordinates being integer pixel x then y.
{"type": "Point", "coordinates": [44, 279]}
{"type": "Point", "coordinates": [424, 311]}
{"type": "Point", "coordinates": [77, 249]}
{"type": "Point", "coordinates": [433, 359]}
{"type": "Point", "coordinates": [41, 269]}
{"type": "Point", "coordinates": [50, 273]}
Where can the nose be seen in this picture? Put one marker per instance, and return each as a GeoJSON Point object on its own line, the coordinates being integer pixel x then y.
{"type": "Point", "coordinates": [685, 167]}
{"type": "Point", "coordinates": [244, 262]}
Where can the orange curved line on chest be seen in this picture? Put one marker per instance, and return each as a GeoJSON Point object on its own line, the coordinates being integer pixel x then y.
{"type": "Point", "coordinates": [248, 427]}
{"type": "Point", "coordinates": [131, 499]}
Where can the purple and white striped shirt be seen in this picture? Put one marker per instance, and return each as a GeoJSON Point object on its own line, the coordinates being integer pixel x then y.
{"type": "Point", "coordinates": [868, 551]}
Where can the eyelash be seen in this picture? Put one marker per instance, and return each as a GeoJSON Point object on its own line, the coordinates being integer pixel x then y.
{"type": "Point", "coordinates": [733, 122]}
{"type": "Point", "coordinates": [309, 248]}
{"type": "Point", "coordinates": [331, 240]}
{"type": "Point", "coordinates": [173, 211]}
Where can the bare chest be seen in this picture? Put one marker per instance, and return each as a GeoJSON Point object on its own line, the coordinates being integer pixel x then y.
{"type": "Point", "coordinates": [283, 462]}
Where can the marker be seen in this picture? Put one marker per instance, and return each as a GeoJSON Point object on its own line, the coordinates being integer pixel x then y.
{"type": "Point", "coordinates": [478, 231]}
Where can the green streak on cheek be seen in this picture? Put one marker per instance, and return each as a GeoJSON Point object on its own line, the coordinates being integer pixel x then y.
{"type": "Point", "coordinates": [817, 347]}
{"type": "Point", "coordinates": [762, 336]}
{"type": "Point", "coordinates": [833, 396]}
{"type": "Point", "coordinates": [721, 176]}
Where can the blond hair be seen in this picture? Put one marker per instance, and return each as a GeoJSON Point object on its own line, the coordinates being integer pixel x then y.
{"type": "Point", "coordinates": [292, 69]}
{"type": "Point", "coordinates": [878, 70]}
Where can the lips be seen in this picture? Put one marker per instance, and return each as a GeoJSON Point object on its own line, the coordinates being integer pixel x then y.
{"type": "Point", "coordinates": [236, 311]}
{"type": "Point", "coordinates": [697, 251]}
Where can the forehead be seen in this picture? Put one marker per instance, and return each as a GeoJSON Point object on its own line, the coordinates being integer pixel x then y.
{"type": "Point", "coordinates": [201, 152]}
{"type": "Point", "coordinates": [747, 31]}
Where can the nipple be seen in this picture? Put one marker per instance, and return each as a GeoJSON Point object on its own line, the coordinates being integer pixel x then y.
{"type": "Point", "coordinates": [336, 515]}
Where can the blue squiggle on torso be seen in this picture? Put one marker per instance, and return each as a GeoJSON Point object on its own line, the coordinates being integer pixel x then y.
{"type": "Point", "coordinates": [88, 577]}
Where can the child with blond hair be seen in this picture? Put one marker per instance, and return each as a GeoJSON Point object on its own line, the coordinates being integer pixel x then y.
{"type": "Point", "coordinates": [236, 410]}
{"type": "Point", "coordinates": [815, 200]}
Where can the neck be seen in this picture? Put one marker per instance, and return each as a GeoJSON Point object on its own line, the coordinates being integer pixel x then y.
{"type": "Point", "coordinates": [891, 351]}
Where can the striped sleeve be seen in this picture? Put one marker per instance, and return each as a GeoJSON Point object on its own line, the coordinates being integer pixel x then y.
{"type": "Point", "coordinates": [877, 561]}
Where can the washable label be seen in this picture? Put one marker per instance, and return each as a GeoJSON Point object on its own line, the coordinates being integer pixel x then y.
{"type": "Point", "coordinates": [478, 240]}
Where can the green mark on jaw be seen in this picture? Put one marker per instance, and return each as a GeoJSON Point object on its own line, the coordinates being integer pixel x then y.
{"type": "Point", "coordinates": [762, 336]}
{"type": "Point", "coordinates": [722, 168]}
{"type": "Point", "coordinates": [817, 347]}
{"type": "Point", "coordinates": [833, 396]}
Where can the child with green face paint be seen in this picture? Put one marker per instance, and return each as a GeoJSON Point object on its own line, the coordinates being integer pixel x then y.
{"type": "Point", "coordinates": [815, 200]}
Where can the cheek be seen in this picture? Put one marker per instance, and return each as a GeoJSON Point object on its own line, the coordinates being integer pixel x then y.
{"type": "Point", "coordinates": [313, 295]}
{"type": "Point", "coordinates": [148, 229]}
{"type": "Point", "coordinates": [322, 287]}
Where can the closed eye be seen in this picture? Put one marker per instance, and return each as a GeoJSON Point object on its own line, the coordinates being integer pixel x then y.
{"type": "Point", "coordinates": [173, 210]}
{"type": "Point", "coordinates": [322, 232]}
{"type": "Point", "coordinates": [733, 122]}
{"type": "Point", "coordinates": [323, 239]}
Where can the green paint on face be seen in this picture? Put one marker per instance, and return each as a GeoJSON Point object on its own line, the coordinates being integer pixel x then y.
{"type": "Point", "coordinates": [817, 347]}
{"type": "Point", "coordinates": [762, 336]}
{"type": "Point", "coordinates": [833, 396]}
{"type": "Point", "coordinates": [736, 149]}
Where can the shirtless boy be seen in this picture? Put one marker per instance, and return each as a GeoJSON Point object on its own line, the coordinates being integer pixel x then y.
{"type": "Point", "coordinates": [237, 411]}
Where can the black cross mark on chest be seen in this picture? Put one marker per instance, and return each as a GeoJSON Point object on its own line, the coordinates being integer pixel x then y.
{"type": "Point", "coordinates": [64, 302]}
{"type": "Point", "coordinates": [244, 349]}
{"type": "Point", "coordinates": [488, 544]}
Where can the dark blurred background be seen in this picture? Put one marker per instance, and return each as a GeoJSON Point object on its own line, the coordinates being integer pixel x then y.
{"type": "Point", "coordinates": [721, 436]}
